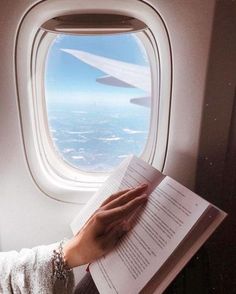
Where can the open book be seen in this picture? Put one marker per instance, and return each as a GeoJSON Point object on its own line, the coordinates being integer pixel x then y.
{"type": "Point", "coordinates": [168, 231]}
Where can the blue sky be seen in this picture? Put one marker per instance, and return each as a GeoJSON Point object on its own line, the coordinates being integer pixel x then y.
{"type": "Point", "coordinates": [95, 122]}
{"type": "Point", "coordinates": [66, 76]}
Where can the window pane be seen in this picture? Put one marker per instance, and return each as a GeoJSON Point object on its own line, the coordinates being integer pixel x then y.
{"type": "Point", "coordinates": [97, 91]}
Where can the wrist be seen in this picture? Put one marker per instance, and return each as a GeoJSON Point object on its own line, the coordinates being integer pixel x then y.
{"type": "Point", "coordinates": [71, 254]}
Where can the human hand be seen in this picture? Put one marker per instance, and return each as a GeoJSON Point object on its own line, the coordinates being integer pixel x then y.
{"type": "Point", "coordinates": [105, 227]}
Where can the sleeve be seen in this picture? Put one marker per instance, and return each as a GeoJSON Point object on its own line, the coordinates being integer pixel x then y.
{"type": "Point", "coordinates": [31, 271]}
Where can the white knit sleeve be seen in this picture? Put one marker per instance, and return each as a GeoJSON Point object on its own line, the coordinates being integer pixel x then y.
{"type": "Point", "coordinates": [30, 271]}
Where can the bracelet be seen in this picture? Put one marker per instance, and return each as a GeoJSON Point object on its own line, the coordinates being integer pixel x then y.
{"type": "Point", "coordinates": [61, 271]}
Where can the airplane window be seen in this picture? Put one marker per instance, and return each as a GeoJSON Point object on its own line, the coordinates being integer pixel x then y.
{"type": "Point", "coordinates": [96, 88]}
{"type": "Point", "coordinates": [98, 96]}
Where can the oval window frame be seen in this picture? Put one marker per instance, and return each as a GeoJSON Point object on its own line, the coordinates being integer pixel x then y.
{"type": "Point", "coordinates": [80, 187]}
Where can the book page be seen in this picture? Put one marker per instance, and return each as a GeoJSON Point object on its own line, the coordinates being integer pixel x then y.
{"type": "Point", "coordinates": [131, 173]}
{"type": "Point", "coordinates": [170, 213]}
{"type": "Point", "coordinates": [207, 224]}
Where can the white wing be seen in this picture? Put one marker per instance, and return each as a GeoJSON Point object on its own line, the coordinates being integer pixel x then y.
{"type": "Point", "coordinates": [120, 73]}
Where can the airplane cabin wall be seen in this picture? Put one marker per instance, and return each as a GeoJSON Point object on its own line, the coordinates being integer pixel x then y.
{"type": "Point", "coordinates": [216, 168]}
{"type": "Point", "coordinates": [27, 216]}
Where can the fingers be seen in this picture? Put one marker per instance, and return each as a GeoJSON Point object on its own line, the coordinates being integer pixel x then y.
{"type": "Point", "coordinates": [107, 217]}
{"type": "Point", "coordinates": [127, 221]}
{"type": "Point", "coordinates": [114, 196]}
{"type": "Point", "coordinates": [125, 196]}
{"type": "Point", "coordinates": [108, 200]}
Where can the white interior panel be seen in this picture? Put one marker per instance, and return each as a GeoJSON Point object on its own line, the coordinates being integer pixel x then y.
{"type": "Point", "coordinates": [189, 24]}
{"type": "Point", "coordinates": [27, 216]}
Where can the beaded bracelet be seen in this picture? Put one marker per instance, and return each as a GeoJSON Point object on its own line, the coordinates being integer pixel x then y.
{"type": "Point", "coordinates": [61, 271]}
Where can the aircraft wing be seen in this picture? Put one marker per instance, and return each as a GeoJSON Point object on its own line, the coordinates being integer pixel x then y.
{"type": "Point", "coordinates": [142, 101]}
{"type": "Point", "coordinates": [112, 81]}
{"type": "Point", "coordinates": [119, 73]}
